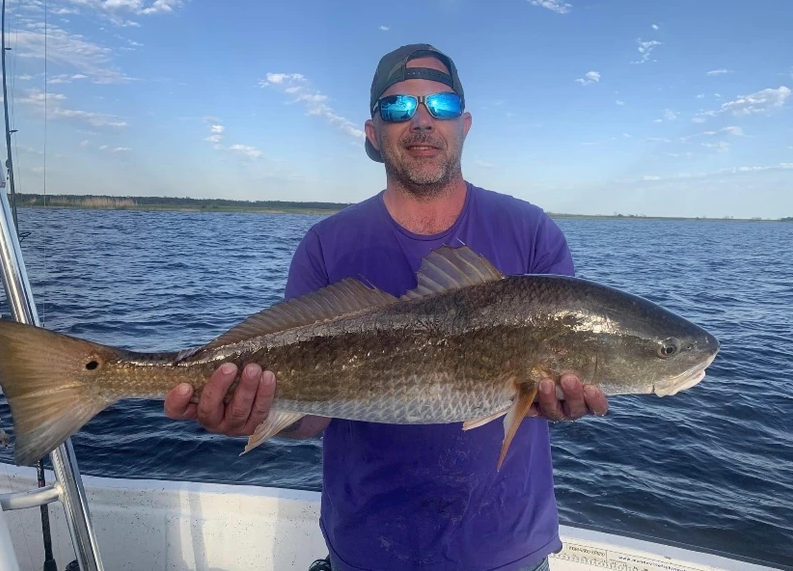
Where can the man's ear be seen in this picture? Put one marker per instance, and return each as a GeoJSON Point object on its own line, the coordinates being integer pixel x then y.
{"type": "Point", "coordinates": [371, 133]}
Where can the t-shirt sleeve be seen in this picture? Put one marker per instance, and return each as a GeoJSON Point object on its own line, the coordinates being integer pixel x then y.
{"type": "Point", "coordinates": [551, 252]}
{"type": "Point", "coordinates": [307, 270]}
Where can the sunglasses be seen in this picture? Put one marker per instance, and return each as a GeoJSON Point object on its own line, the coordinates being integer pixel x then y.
{"type": "Point", "coordinates": [396, 108]}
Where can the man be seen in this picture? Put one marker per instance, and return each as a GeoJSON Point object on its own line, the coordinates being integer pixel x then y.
{"type": "Point", "coordinates": [420, 497]}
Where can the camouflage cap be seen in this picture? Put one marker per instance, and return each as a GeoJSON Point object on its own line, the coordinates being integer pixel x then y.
{"type": "Point", "coordinates": [393, 69]}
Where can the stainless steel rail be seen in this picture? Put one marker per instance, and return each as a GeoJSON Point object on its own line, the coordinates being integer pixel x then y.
{"type": "Point", "coordinates": [69, 486]}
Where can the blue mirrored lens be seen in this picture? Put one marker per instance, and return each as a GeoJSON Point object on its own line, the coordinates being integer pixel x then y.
{"type": "Point", "coordinates": [402, 107]}
{"type": "Point", "coordinates": [444, 105]}
{"type": "Point", "coordinates": [398, 107]}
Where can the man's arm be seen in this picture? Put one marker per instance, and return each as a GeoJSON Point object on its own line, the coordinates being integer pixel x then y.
{"type": "Point", "coordinates": [253, 398]}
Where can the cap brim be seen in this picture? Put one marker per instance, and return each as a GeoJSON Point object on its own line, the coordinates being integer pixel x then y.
{"type": "Point", "coordinates": [373, 153]}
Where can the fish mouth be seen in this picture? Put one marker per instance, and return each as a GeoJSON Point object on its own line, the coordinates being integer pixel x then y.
{"type": "Point", "coordinates": [686, 380]}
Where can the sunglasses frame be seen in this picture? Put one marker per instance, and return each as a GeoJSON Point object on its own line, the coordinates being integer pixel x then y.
{"type": "Point", "coordinates": [420, 99]}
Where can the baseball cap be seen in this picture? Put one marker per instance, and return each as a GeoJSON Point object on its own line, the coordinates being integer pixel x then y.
{"type": "Point", "coordinates": [393, 69]}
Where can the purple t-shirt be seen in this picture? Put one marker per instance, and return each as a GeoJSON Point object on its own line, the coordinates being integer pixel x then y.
{"type": "Point", "coordinates": [429, 497]}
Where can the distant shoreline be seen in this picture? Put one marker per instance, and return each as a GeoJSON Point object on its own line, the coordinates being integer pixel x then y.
{"type": "Point", "coordinates": [142, 203]}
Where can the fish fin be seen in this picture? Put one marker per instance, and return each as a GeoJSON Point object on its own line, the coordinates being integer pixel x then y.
{"type": "Point", "coordinates": [275, 422]}
{"type": "Point", "coordinates": [477, 422]}
{"type": "Point", "coordinates": [44, 378]}
{"type": "Point", "coordinates": [449, 268]}
{"type": "Point", "coordinates": [515, 415]}
{"type": "Point", "coordinates": [346, 296]}
{"type": "Point", "coordinates": [185, 353]}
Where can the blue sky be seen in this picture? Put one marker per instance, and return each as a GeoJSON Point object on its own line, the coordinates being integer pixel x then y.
{"type": "Point", "coordinates": [583, 106]}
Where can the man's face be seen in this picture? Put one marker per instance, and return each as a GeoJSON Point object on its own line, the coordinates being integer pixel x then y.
{"type": "Point", "coordinates": [423, 154]}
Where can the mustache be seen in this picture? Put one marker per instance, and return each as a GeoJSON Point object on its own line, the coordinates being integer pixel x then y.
{"type": "Point", "coordinates": [423, 139]}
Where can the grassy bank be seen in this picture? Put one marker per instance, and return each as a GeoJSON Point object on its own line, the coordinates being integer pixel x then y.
{"type": "Point", "coordinates": [270, 206]}
{"type": "Point", "coordinates": [172, 203]}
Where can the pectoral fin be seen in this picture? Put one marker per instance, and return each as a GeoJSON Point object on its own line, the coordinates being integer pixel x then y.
{"type": "Point", "coordinates": [275, 422]}
{"type": "Point", "coordinates": [515, 415]}
{"type": "Point", "coordinates": [477, 422]}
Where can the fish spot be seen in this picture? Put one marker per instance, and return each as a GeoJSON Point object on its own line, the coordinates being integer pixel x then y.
{"type": "Point", "coordinates": [91, 365]}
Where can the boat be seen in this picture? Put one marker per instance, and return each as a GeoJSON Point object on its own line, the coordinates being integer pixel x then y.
{"type": "Point", "coordinates": [180, 526]}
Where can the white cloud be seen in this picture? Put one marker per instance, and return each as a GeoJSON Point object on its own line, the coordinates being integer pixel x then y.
{"type": "Point", "coordinates": [744, 169]}
{"type": "Point", "coordinates": [36, 99]}
{"type": "Point", "coordinates": [66, 78]}
{"type": "Point", "coordinates": [558, 6]}
{"type": "Point", "coordinates": [720, 147]}
{"type": "Point", "coordinates": [669, 115]}
{"type": "Point", "coordinates": [313, 100]}
{"type": "Point", "coordinates": [70, 50]}
{"type": "Point", "coordinates": [247, 151]}
{"type": "Point", "coordinates": [715, 72]}
{"type": "Point", "coordinates": [757, 102]}
{"type": "Point", "coordinates": [215, 130]}
{"type": "Point", "coordinates": [720, 172]}
{"type": "Point", "coordinates": [646, 48]}
{"type": "Point", "coordinates": [383, 28]}
{"type": "Point", "coordinates": [732, 130]}
{"type": "Point", "coordinates": [700, 96]}
{"type": "Point", "coordinates": [619, 102]}
{"type": "Point", "coordinates": [655, 26]}
{"type": "Point", "coordinates": [135, 7]}
{"type": "Point", "coordinates": [162, 7]}
{"type": "Point", "coordinates": [589, 77]}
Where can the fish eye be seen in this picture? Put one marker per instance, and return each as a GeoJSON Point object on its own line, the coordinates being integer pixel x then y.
{"type": "Point", "coordinates": [668, 348]}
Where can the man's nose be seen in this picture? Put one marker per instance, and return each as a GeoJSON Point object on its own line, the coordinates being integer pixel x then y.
{"type": "Point", "coordinates": [422, 119]}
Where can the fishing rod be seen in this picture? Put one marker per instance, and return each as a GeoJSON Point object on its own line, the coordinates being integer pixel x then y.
{"type": "Point", "coordinates": [49, 559]}
{"type": "Point", "coordinates": [9, 161]}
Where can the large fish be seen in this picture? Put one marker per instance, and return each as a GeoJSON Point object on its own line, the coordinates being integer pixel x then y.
{"type": "Point", "coordinates": [468, 345]}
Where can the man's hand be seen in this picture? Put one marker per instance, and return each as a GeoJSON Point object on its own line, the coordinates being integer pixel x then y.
{"type": "Point", "coordinates": [579, 400]}
{"type": "Point", "coordinates": [240, 417]}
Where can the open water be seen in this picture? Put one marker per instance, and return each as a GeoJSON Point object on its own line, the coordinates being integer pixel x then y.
{"type": "Point", "coordinates": [710, 467]}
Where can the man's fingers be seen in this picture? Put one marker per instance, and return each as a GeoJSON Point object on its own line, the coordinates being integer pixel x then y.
{"type": "Point", "coordinates": [210, 405]}
{"type": "Point", "coordinates": [262, 402]}
{"type": "Point", "coordinates": [574, 404]}
{"type": "Point", "coordinates": [596, 400]}
{"type": "Point", "coordinates": [239, 409]}
{"type": "Point", "coordinates": [547, 402]}
{"type": "Point", "coordinates": [177, 404]}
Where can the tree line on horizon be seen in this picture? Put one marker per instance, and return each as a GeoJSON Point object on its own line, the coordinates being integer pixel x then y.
{"type": "Point", "coordinates": [104, 201]}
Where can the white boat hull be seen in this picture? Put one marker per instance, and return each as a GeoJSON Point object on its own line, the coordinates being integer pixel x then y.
{"type": "Point", "coordinates": [183, 526]}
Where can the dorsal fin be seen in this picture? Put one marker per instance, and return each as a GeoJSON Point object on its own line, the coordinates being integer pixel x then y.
{"type": "Point", "coordinates": [345, 296]}
{"type": "Point", "coordinates": [449, 268]}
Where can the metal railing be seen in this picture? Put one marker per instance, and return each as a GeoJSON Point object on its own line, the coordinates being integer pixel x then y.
{"type": "Point", "coordinates": [68, 486]}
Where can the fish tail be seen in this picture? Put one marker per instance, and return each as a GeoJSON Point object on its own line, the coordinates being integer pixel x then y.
{"type": "Point", "coordinates": [46, 378]}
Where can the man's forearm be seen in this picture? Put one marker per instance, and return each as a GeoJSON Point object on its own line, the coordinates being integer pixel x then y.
{"type": "Point", "coordinates": [306, 427]}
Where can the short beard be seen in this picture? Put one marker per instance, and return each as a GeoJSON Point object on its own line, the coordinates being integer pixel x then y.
{"type": "Point", "coordinates": [421, 184]}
